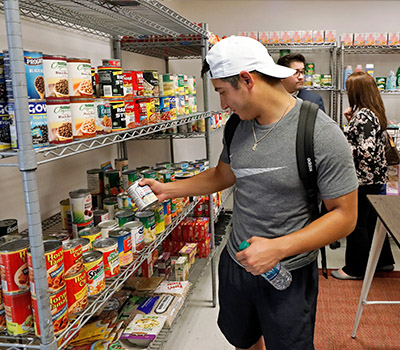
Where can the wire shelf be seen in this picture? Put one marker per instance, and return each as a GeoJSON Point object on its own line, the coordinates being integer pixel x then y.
{"type": "Point", "coordinates": [369, 49]}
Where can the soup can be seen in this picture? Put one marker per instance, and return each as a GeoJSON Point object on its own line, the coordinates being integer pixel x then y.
{"type": "Point", "coordinates": [73, 261]}
{"type": "Point", "coordinates": [166, 175]}
{"type": "Point", "coordinates": [18, 307]}
{"type": "Point", "coordinates": [143, 196]}
{"type": "Point", "coordinates": [149, 225]}
{"type": "Point", "coordinates": [59, 311]}
{"type": "Point", "coordinates": [34, 74]}
{"type": "Point", "coordinates": [14, 266]}
{"type": "Point", "coordinates": [106, 226]}
{"type": "Point", "coordinates": [121, 164]}
{"type": "Point", "coordinates": [167, 212]}
{"type": "Point", "coordinates": [84, 242]}
{"type": "Point", "coordinates": [124, 238]}
{"type": "Point", "coordinates": [94, 267]}
{"type": "Point", "coordinates": [149, 174]}
{"type": "Point", "coordinates": [54, 257]}
{"type": "Point", "coordinates": [137, 235]}
{"type": "Point", "coordinates": [109, 248]}
{"type": "Point", "coordinates": [124, 201]}
{"type": "Point", "coordinates": [100, 215]}
{"type": "Point", "coordinates": [77, 294]}
{"type": "Point", "coordinates": [92, 233]}
{"type": "Point", "coordinates": [83, 114]}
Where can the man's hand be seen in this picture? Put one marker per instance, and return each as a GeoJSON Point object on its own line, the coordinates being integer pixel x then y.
{"type": "Point", "coordinates": [262, 255]}
{"type": "Point", "coordinates": [157, 187]}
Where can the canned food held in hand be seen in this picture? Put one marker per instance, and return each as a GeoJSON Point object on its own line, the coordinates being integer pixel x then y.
{"type": "Point", "coordinates": [143, 196]}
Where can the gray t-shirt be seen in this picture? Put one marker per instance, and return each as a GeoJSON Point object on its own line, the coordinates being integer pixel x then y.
{"type": "Point", "coordinates": [270, 199]}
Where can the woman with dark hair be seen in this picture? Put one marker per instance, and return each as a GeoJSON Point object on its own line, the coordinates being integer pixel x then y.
{"type": "Point", "coordinates": [366, 122]}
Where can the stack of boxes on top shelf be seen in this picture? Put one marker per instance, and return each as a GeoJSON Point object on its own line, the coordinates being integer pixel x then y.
{"type": "Point", "coordinates": [293, 36]}
{"type": "Point", "coordinates": [370, 39]}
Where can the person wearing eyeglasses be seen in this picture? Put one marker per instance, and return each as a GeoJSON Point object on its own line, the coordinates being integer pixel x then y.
{"type": "Point", "coordinates": [294, 84]}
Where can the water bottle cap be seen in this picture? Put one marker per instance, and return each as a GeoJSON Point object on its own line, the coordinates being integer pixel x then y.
{"type": "Point", "coordinates": [244, 245]}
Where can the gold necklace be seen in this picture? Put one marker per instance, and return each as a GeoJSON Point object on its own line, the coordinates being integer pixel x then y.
{"type": "Point", "coordinates": [256, 142]}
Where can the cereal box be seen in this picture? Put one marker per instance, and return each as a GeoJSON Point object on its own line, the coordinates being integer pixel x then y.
{"type": "Point", "coordinates": [263, 37]}
{"type": "Point", "coordinates": [370, 39]}
{"type": "Point", "coordinates": [296, 36]}
{"type": "Point", "coordinates": [182, 269]}
{"type": "Point", "coordinates": [274, 37]}
{"type": "Point", "coordinates": [330, 36]}
{"type": "Point", "coordinates": [318, 36]}
{"type": "Point", "coordinates": [381, 39]}
{"type": "Point", "coordinates": [359, 39]}
{"type": "Point", "coordinates": [347, 39]}
{"type": "Point", "coordinates": [393, 38]}
{"type": "Point", "coordinates": [307, 36]}
{"type": "Point", "coordinates": [285, 37]}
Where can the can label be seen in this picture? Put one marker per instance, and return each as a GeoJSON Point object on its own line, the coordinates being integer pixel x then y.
{"type": "Point", "coordinates": [100, 215]}
{"type": "Point", "coordinates": [95, 275]}
{"type": "Point", "coordinates": [143, 196]}
{"type": "Point", "coordinates": [110, 259]}
{"type": "Point", "coordinates": [118, 120]}
{"type": "Point", "coordinates": [59, 122]}
{"type": "Point", "coordinates": [129, 177]}
{"type": "Point", "coordinates": [18, 308]}
{"type": "Point", "coordinates": [38, 120]}
{"type": "Point", "coordinates": [92, 236]}
{"type": "Point", "coordinates": [79, 78]}
{"type": "Point", "coordinates": [77, 228]}
{"type": "Point", "coordinates": [149, 226]}
{"type": "Point", "coordinates": [83, 114]}
{"type": "Point", "coordinates": [106, 226]}
{"type": "Point", "coordinates": [165, 108]}
{"type": "Point", "coordinates": [103, 117]}
{"type": "Point", "coordinates": [141, 113]}
{"type": "Point", "coordinates": [124, 202]}
{"type": "Point", "coordinates": [112, 182]}
{"type": "Point", "coordinates": [125, 248]}
{"type": "Point", "coordinates": [167, 212]}
{"type": "Point", "coordinates": [77, 295]}
{"type": "Point", "coordinates": [159, 219]}
{"type": "Point", "coordinates": [34, 74]}
{"type": "Point", "coordinates": [56, 76]}
{"type": "Point", "coordinates": [73, 261]}
{"type": "Point", "coordinates": [5, 137]}
{"type": "Point", "coordinates": [14, 270]}
{"type": "Point", "coordinates": [95, 181]}
{"type": "Point", "coordinates": [59, 311]}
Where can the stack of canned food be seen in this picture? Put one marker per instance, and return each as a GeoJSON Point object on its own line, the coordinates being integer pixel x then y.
{"type": "Point", "coordinates": [68, 100]}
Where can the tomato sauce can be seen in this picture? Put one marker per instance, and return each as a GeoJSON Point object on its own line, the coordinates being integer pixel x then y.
{"type": "Point", "coordinates": [124, 238]}
{"type": "Point", "coordinates": [73, 261]}
{"type": "Point", "coordinates": [92, 233]}
{"type": "Point", "coordinates": [84, 242]}
{"type": "Point", "coordinates": [54, 257]}
{"type": "Point", "coordinates": [59, 120]}
{"type": "Point", "coordinates": [137, 235]}
{"type": "Point", "coordinates": [143, 196]}
{"type": "Point", "coordinates": [106, 226]}
{"type": "Point", "coordinates": [77, 294]}
{"type": "Point", "coordinates": [149, 225]}
{"type": "Point", "coordinates": [18, 307]}
{"type": "Point", "coordinates": [94, 267]}
{"type": "Point", "coordinates": [59, 311]}
{"type": "Point", "coordinates": [14, 266]}
{"type": "Point", "coordinates": [109, 248]}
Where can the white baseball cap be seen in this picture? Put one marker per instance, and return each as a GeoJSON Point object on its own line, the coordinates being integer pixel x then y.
{"type": "Point", "coordinates": [232, 55]}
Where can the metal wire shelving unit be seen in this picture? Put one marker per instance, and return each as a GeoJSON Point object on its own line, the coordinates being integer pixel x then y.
{"type": "Point", "coordinates": [142, 21]}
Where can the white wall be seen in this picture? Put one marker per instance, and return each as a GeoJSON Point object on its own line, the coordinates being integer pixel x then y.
{"type": "Point", "coordinates": [55, 179]}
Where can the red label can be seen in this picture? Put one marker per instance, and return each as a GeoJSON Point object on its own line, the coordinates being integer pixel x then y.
{"type": "Point", "coordinates": [18, 312]}
{"type": "Point", "coordinates": [73, 261]}
{"type": "Point", "coordinates": [109, 248]}
{"type": "Point", "coordinates": [77, 294]}
{"type": "Point", "coordinates": [59, 311]}
{"type": "Point", "coordinates": [54, 256]}
{"type": "Point", "coordinates": [14, 266]}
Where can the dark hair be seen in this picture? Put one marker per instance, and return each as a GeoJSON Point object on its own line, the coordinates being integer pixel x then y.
{"type": "Point", "coordinates": [363, 92]}
{"type": "Point", "coordinates": [291, 57]}
{"type": "Point", "coordinates": [234, 80]}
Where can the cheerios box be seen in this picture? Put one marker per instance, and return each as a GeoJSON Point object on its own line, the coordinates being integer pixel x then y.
{"type": "Point", "coordinates": [393, 38]}
{"type": "Point", "coordinates": [359, 39]}
{"type": "Point", "coordinates": [347, 39]}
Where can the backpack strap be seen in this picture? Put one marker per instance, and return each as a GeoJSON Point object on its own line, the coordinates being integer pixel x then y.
{"type": "Point", "coordinates": [229, 131]}
{"type": "Point", "coordinates": [306, 163]}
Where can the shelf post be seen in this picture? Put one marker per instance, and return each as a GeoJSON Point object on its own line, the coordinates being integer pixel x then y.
{"type": "Point", "coordinates": [27, 165]}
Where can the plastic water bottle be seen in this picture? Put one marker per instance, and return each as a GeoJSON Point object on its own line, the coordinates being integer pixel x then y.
{"type": "Point", "coordinates": [347, 72]}
{"type": "Point", "coordinates": [278, 276]}
{"type": "Point", "coordinates": [391, 81]}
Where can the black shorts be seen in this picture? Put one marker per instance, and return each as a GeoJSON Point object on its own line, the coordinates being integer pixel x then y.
{"type": "Point", "coordinates": [250, 307]}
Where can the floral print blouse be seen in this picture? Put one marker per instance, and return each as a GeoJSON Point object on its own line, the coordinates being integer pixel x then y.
{"type": "Point", "coordinates": [364, 134]}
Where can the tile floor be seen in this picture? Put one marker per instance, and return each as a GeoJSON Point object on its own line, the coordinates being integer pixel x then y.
{"type": "Point", "coordinates": [197, 328]}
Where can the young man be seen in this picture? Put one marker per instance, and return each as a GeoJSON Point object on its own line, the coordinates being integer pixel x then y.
{"type": "Point", "coordinates": [294, 84]}
{"type": "Point", "coordinates": [271, 210]}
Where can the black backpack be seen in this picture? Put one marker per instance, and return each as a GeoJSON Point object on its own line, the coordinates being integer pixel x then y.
{"type": "Point", "coordinates": [304, 155]}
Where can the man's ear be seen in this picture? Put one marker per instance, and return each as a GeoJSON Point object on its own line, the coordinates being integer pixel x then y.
{"type": "Point", "coordinates": [246, 78]}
